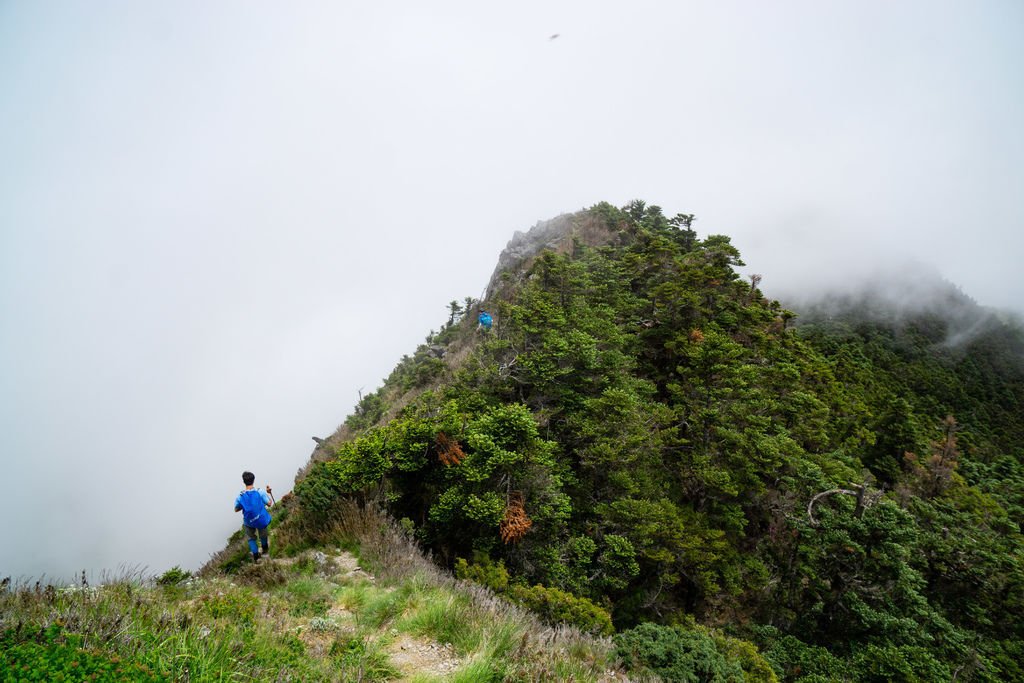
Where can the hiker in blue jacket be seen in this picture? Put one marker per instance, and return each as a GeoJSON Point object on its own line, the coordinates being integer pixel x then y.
{"type": "Point", "coordinates": [253, 504]}
{"type": "Point", "coordinates": [484, 321]}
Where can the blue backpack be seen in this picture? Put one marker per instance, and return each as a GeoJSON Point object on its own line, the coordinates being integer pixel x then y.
{"type": "Point", "coordinates": [254, 512]}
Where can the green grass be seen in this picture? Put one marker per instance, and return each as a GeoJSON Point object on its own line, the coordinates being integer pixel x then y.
{"type": "Point", "coordinates": [308, 597]}
{"type": "Point", "coordinates": [281, 619]}
{"type": "Point", "coordinates": [447, 618]}
{"type": "Point", "coordinates": [482, 670]}
{"type": "Point", "coordinates": [358, 658]}
{"type": "Point", "coordinates": [355, 596]}
{"type": "Point", "coordinates": [209, 630]}
{"type": "Point", "coordinates": [383, 608]}
{"type": "Point", "coordinates": [500, 641]}
{"type": "Point", "coordinates": [235, 605]}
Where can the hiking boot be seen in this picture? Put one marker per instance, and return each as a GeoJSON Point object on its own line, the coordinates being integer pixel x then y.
{"type": "Point", "coordinates": [255, 557]}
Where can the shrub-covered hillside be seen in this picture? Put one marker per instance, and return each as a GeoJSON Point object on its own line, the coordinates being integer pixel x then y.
{"type": "Point", "coordinates": [645, 444]}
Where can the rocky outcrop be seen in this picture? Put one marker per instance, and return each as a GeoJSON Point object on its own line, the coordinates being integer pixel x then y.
{"type": "Point", "coordinates": [556, 235]}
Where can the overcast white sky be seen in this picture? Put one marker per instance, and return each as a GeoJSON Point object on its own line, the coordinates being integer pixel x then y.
{"type": "Point", "coordinates": [219, 221]}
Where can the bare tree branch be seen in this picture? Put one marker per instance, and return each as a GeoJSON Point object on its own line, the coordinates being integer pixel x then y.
{"type": "Point", "coordinates": [865, 499]}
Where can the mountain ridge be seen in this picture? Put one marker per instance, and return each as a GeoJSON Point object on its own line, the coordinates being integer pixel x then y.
{"type": "Point", "coordinates": [631, 294]}
{"type": "Point", "coordinates": [653, 458]}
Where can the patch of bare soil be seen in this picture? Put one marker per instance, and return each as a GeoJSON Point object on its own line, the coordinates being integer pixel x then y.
{"type": "Point", "coordinates": [415, 656]}
{"type": "Point", "coordinates": [347, 568]}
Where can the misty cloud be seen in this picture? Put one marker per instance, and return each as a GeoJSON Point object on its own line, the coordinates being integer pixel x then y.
{"type": "Point", "coordinates": [219, 222]}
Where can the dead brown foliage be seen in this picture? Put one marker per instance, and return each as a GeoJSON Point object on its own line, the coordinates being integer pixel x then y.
{"type": "Point", "coordinates": [449, 452]}
{"type": "Point", "coordinates": [696, 336]}
{"type": "Point", "coordinates": [516, 522]}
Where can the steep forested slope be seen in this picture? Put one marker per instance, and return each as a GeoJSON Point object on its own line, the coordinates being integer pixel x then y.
{"type": "Point", "coordinates": [639, 439]}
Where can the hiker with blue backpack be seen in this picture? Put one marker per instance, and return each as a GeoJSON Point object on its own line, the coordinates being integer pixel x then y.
{"type": "Point", "coordinates": [253, 504]}
{"type": "Point", "coordinates": [484, 321]}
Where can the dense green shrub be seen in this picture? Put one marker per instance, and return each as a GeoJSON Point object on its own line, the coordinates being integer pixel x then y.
{"type": "Point", "coordinates": [317, 493]}
{"type": "Point", "coordinates": [899, 664]}
{"type": "Point", "coordinates": [483, 571]}
{"type": "Point", "coordinates": [553, 605]}
{"type": "Point", "coordinates": [795, 660]}
{"type": "Point", "coordinates": [51, 655]}
{"type": "Point", "coordinates": [677, 655]}
{"type": "Point", "coordinates": [756, 668]}
{"type": "Point", "coordinates": [173, 576]}
{"type": "Point", "coordinates": [556, 606]}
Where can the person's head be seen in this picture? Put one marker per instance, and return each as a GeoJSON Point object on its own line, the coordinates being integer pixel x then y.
{"type": "Point", "coordinates": [248, 478]}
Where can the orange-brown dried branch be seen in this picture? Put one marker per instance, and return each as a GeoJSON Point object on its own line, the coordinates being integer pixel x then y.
{"type": "Point", "coordinates": [515, 522]}
{"type": "Point", "coordinates": [449, 452]}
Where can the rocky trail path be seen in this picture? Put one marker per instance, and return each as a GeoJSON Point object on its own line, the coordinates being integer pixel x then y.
{"type": "Point", "coordinates": [410, 657]}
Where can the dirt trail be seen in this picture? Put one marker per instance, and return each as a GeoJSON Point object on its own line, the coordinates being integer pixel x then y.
{"type": "Point", "coordinates": [411, 655]}
{"type": "Point", "coordinates": [415, 656]}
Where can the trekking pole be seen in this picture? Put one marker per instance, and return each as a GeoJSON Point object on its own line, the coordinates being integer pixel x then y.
{"type": "Point", "coordinates": [271, 494]}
